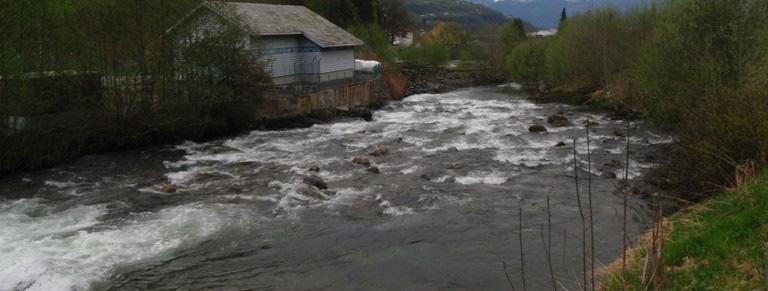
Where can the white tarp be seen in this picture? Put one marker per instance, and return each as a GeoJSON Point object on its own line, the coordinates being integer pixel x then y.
{"type": "Point", "coordinates": [364, 66]}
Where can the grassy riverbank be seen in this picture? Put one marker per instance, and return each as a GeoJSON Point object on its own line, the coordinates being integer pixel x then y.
{"type": "Point", "coordinates": [719, 244]}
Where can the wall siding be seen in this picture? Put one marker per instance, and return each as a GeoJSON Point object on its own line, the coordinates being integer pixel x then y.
{"type": "Point", "coordinates": [287, 58]}
{"type": "Point", "coordinates": [337, 60]}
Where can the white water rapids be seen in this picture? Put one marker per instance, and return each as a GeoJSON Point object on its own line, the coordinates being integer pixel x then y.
{"type": "Point", "coordinates": [459, 165]}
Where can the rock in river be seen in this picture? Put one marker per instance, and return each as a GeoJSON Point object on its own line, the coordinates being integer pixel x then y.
{"type": "Point", "coordinates": [374, 170]}
{"type": "Point", "coordinates": [311, 192]}
{"type": "Point", "coordinates": [380, 152]}
{"type": "Point", "coordinates": [316, 181]}
{"type": "Point", "coordinates": [362, 161]}
{"type": "Point", "coordinates": [168, 189]}
{"type": "Point", "coordinates": [537, 128]}
{"type": "Point", "coordinates": [558, 121]}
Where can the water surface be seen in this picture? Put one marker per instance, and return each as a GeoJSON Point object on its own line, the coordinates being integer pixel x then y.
{"type": "Point", "coordinates": [441, 214]}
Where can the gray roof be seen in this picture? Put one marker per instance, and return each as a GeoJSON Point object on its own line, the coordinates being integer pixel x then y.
{"type": "Point", "coordinates": [267, 19]}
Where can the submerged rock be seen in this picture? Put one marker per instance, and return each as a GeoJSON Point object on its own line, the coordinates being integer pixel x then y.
{"type": "Point", "coordinates": [316, 181]}
{"type": "Point", "coordinates": [311, 192]}
{"type": "Point", "coordinates": [168, 189]}
{"type": "Point", "coordinates": [560, 144]}
{"type": "Point", "coordinates": [614, 164]}
{"type": "Point", "coordinates": [380, 152]}
{"type": "Point", "coordinates": [314, 169]}
{"type": "Point", "coordinates": [537, 128]}
{"type": "Point", "coordinates": [453, 166]}
{"type": "Point", "coordinates": [362, 161]}
{"type": "Point", "coordinates": [558, 121]}
{"type": "Point", "coordinates": [374, 170]}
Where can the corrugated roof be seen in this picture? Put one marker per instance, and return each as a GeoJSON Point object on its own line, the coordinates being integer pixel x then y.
{"type": "Point", "coordinates": [268, 19]}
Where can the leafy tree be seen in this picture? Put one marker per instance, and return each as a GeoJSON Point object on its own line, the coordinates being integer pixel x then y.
{"type": "Point", "coordinates": [589, 49]}
{"type": "Point", "coordinates": [527, 63]}
{"type": "Point", "coordinates": [512, 33]}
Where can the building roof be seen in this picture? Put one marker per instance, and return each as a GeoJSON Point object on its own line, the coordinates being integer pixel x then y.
{"type": "Point", "coordinates": [268, 19]}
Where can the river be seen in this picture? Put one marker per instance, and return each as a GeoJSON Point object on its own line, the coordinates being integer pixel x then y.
{"type": "Point", "coordinates": [441, 214]}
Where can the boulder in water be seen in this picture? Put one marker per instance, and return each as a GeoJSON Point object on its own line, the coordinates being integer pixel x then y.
{"type": "Point", "coordinates": [311, 192]}
{"type": "Point", "coordinates": [613, 163]}
{"type": "Point", "coordinates": [380, 152]}
{"type": "Point", "coordinates": [314, 169]}
{"type": "Point", "coordinates": [362, 161]}
{"type": "Point", "coordinates": [168, 188]}
{"type": "Point", "coordinates": [618, 133]}
{"type": "Point", "coordinates": [316, 181]}
{"type": "Point", "coordinates": [537, 128]}
{"type": "Point", "coordinates": [453, 166]}
{"type": "Point", "coordinates": [560, 144]}
{"type": "Point", "coordinates": [590, 123]}
{"type": "Point", "coordinates": [558, 121]}
{"type": "Point", "coordinates": [373, 170]}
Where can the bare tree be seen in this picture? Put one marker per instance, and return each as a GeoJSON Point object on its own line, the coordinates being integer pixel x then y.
{"type": "Point", "coordinates": [395, 18]}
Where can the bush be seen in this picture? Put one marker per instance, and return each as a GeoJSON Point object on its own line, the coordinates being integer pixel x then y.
{"type": "Point", "coordinates": [698, 79]}
{"type": "Point", "coordinates": [696, 68]}
{"type": "Point", "coordinates": [375, 39]}
{"type": "Point", "coordinates": [527, 62]}
{"type": "Point", "coordinates": [589, 49]}
{"type": "Point", "coordinates": [425, 55]}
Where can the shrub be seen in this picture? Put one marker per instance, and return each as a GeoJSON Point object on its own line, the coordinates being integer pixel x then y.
{"type": "Point", "coordinates": [527, 62]}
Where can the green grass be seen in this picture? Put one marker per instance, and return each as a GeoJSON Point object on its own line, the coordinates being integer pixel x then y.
{"type": "Point", "coordinates": [720, 244]}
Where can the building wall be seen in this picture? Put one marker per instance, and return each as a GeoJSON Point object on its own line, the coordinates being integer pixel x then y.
{"type": "Point", "coordinates": [287, 58]}
{"type": "Point", "coordinates": [290, 55]}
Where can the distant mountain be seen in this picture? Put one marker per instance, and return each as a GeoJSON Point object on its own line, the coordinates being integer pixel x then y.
{"type": "Point", "coordinates": [470, 15]}
{"type": "Point", "coordinates": [546, 13]}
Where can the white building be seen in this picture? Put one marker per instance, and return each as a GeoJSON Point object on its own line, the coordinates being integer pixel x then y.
{"type": "Point", "coordinates": [294, 44]}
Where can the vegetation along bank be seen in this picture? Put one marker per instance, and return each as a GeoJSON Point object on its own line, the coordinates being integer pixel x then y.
{"type": "Point", "coordinates": [697, 69]}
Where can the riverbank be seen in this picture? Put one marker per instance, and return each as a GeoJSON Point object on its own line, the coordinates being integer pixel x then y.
{"type": "Point", "coordinates": [719, 244]}
{"type": "Point", "coordinates": [433, 80]}
{"type": "Point", "coordinates": [432, 185]}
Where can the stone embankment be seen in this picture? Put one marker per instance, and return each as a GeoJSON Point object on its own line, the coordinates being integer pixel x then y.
{"type": "Point", "coordinates": [432, 80]}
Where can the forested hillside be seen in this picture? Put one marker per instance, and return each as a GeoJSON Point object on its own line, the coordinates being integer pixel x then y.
{"type": "Point", "coordinates": [545, 13]}
{"type": "Point", "coordinates": [462, 12]}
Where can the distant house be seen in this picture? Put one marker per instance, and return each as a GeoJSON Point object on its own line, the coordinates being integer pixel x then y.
{"type": "Point", "coordinates": [294, 44]}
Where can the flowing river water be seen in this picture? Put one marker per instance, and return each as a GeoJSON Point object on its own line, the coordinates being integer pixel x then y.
{"type": "Point", "coordinates": [441, 214]}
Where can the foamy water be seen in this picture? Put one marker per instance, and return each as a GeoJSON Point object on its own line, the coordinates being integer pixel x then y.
{"type": "Point", "coordinates": [455, 157]}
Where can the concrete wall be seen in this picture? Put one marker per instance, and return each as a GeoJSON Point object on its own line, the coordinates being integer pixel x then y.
{"type": "Point", "coordinates": [359, 94]}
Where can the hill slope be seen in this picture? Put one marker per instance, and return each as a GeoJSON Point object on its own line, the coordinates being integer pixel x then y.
{"type": "Point", "coordinates": [546, 13]}
{"type": "Point", "coordinates": [468, 14]}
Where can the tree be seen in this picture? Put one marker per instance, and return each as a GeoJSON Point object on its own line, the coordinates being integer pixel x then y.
{"type": "Point", "coordinates": [527, 63]}
{"type": "Point", "coordinates": [512, 33]}
{"type": "Point", "coordinates": [341, 12]}
{"type": "Point", "coordinates": [563, 18]}
{"type": "Point", "coordinates": [396, 19]}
